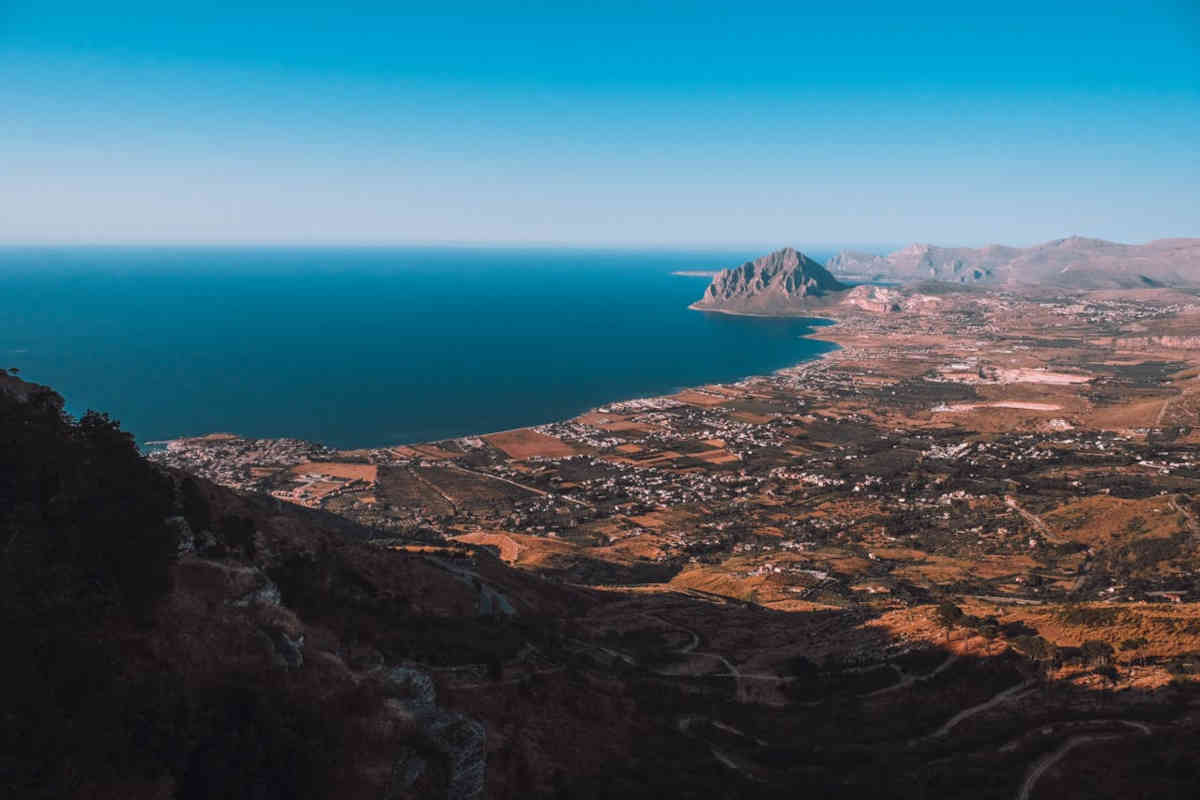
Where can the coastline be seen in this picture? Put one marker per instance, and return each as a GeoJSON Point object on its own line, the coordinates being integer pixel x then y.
{"type": "Point", "coordinates": [732, 313]}
{"type": "Point", "coordinates": [825, 322]}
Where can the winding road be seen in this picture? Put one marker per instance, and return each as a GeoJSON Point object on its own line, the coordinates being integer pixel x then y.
{"type": "Point", "coordinates": [909, 679]}
{"type": "Point", "coordinates": [966, 713]}
{"type": "Point", "coordinates": [1046, 762]}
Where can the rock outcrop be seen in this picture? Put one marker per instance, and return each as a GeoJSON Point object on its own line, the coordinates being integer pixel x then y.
{"type": "Point", "coordinates": [783, 281]}
{"type": "Point", "coordinates": [885, 300]}
{"type": "Point", "coordinates": [874, 298]}
{"type": "Point", "coordinates": [459, 741]}
{"type": "Point", "coordinates": [1074, 262]}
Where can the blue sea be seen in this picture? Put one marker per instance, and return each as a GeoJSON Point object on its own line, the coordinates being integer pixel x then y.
{"type": "Point", "coordinates": [358, 347]}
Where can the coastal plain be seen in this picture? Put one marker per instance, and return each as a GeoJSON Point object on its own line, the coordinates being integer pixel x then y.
{"type": "Point", "coordinates": [759, 550]}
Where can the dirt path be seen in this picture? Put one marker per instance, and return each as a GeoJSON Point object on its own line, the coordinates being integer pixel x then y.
{"type": "Point", "coordinates": [687, 648]}
{"type": "Point", "coordinates": [909, 680]}
{"type": "Point", "coordinates": [491, 599]}
{"type": "Point", "coordinates": [1192, 524]}
{"type": "Point", "coordinates": [435, 488]}
{"type": "Point", "coordinates": [1162, 412]}
{"type": "Point", "coordinates": [1003, 599]}
{"type": "Point", "coordinates": [518, 485]}
{"type": "Point", "coordinates": [684, 725]}
{"type": "Point", "coordinates": [1034, 520]}
{"type": "Point", "coordinates": [1046, 762]}
{"type": "Point", "coordinates": [690, 649]}
{"type": "Point", "coordinates": [966, 713]}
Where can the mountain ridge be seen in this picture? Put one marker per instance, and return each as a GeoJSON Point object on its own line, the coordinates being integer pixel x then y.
{"type": "Point", "coordinates": [1070, 262]}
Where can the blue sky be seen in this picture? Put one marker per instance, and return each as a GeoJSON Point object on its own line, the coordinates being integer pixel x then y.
{"type": "Point", "coordinates": [608, 123]}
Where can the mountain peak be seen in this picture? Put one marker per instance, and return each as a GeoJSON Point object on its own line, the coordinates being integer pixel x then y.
{"type": "Point", "coordinates": [769, 283]}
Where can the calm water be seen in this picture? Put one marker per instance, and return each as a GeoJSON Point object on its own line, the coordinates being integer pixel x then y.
{"type": "Point", "coordinates": [359, 347]}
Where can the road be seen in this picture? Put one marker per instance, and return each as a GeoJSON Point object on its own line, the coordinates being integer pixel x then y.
{"type": "Point", "coordinates": [435, 488]}
{"type": "Point", "coordinates": [687, 648]}
{"type": "Point", "coordinates": [909, 680]}
{"type": "Point", "coordinates": [518, 485]}
{"type": "Point", "coordinates": [1008, 693]}
{"type": "Point", "coordinates": [1192, 524]}
{"type": "Point", "coordinates": [690, 649]}
{"type": "Point", "coordinates": [1002, 599]}
{"type": "Point", "coordinates": [684, 725]}
{"type": "Point", "coordinates": [1034, 520]}
{"type": "Point", "coordinates": [491, 599]}
{"type": "Point", "coordinates": [1046, 762]}
{"type": "Point", "coordinates": [1162, 412]}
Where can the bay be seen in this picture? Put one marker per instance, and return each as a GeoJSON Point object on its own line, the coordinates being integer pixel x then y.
{"type": "Point", "coordinates": [359, 347]}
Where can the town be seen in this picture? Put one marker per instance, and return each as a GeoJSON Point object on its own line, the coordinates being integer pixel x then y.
{"type": "Point", "coordinates": [1025, 450]}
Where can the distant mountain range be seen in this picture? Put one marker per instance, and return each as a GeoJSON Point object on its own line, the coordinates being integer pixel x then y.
{"type": "Point", "coordinates": [789, 282]}
{"type": "Point", "coordinates": [1074, 262]}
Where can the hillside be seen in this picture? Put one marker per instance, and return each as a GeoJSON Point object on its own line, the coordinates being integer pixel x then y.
{"type": "Point", "coordinates": [766, 633]}
{"type": "Point", "coordinates": [1074, 262]}
{"type": "Point", "coordinates": [166, 637]}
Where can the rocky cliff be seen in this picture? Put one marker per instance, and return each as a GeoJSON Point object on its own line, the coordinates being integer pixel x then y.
{"type": "Point", "coordinates": [783, 281]}
{"type": "Point", "coordinates": [1074, 262]}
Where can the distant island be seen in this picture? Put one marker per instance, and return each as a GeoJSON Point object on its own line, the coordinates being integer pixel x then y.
{"type": "Point", "coordinates": [697, 273]}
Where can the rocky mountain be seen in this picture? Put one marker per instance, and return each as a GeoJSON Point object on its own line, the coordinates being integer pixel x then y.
{"type": "Point", "coordinates": [1074, 262]}
{"type": "Point", "coordinates": [782, 281]}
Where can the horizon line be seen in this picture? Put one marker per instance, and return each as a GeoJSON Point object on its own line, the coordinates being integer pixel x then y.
{"type": "Point", "coordinates": [455, 243]}
{"type": "Point", "coordinates": [530, 244]}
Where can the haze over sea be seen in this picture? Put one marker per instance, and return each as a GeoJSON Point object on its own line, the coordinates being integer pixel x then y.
{"type": "Point", "coordinates": [359, 347]}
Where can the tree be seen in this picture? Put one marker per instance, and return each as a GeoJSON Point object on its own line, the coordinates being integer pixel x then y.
{"type": "Point", "coordinates": [948, 617]}
{"type": "Point", "coordinates": [1038, 650]}
{"type": "Point", "coordinates": [1135, 644]}
{"type": "Point", "coordinates": [1098, 653]}
{"type": "Point", "coordinates": [989, 631]}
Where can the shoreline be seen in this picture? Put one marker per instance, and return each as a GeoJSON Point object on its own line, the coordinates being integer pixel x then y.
{"type": "Point", "coordinates": [732, 313]}
{"type": "Point", "coordinates": [826, 323]}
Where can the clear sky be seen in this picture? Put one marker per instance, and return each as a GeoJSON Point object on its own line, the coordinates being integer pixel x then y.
{"type": "Point", "coordinates": [610, 123]}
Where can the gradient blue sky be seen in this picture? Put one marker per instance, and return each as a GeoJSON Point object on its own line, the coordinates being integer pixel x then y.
{"type": "Point", "coordinates": [611, 123]}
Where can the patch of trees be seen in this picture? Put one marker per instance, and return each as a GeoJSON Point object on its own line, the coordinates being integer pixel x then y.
{"type": "Point", "coordinates": [82, 515]}
{"type": "Point", "coordinates": [85, 557]}
{"type": "Point", "coordinates": [1146, 552]}
{"type": "Point", "coordinates": [1091, 616]}
{"type": "Point", "coordinates": [1186, 664]}
{"type": "Point", "coordinates": [1098, 653]}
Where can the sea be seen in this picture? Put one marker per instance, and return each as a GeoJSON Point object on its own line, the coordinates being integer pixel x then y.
{"type": "Point", "coordinates": [372, 346]}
